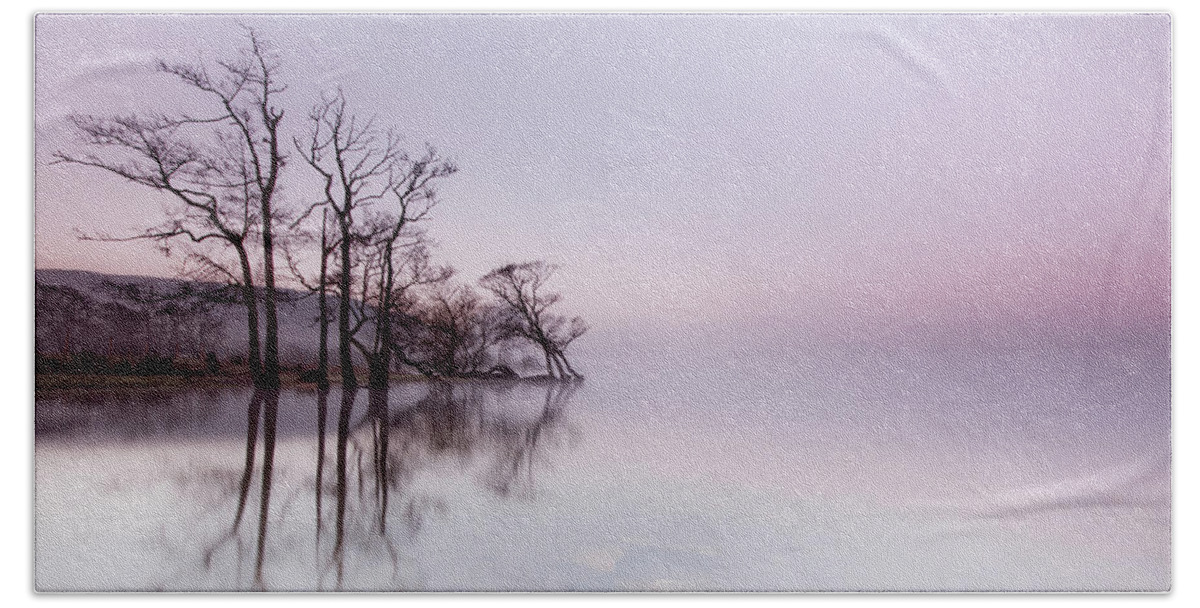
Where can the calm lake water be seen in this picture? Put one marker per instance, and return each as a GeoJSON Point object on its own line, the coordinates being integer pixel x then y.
{"type": "Point", "coordinates": [883, 468]}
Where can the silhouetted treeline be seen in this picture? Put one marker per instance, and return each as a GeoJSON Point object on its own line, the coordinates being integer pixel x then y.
{"type": "Point", "coordinates": [390, 305]}
{"type": "Point", "coordinates": [219, 163]}
{"type": "Point", "coordinates": [128, 328]}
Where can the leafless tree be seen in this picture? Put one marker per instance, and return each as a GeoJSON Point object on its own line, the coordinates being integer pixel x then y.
{"type": "Point", "coordinates": [364, 166]}
{"type": "Point", "coordinates": [396, 279]}
{"type": "Point", "coordinates": [320, 286]}
{"type": "Point", "coordinates": [457, 331]}
{"type": "Point", "coordinates": [350, 157]}
{"type": "Point", "coordinates": [393, 272]}
{"type": "Point", "coordinates": [222, 170]}
{"type": "Point", "coordinates": [521, 288]}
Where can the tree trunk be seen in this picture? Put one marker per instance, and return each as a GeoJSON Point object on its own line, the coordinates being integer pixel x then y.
{"type": "Point", "coordinates": [563, 357]}
{"type": "Point", "coordinates": [562, 373]}
{"type": "Point", "coordinates": [381, 363]}
{"type": "Point", "coordinates": [349, 381]}
{"type": "Point", "coordinates": [271, 345]}
{"type": "Point", "coordinates": [254, 355]}
{"type": "Point", "coordinates": [323, 308]}
{"type": "Point", "coordinates": [266, 195]}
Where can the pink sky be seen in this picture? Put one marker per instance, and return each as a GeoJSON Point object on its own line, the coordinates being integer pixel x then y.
{"type": "Point", "coordinates": [833, 170]}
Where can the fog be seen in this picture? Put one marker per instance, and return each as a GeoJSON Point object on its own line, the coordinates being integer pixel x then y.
{"type": "Point", "coordinates": [830, 170]}
{"type": "Point", "coordinates": [877, 303]}
{"type": "Point", "coordinates": [966, 467]}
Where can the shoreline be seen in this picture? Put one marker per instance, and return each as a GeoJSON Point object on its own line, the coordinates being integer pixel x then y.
{"type": "Point", "coordinates": [50, 384]}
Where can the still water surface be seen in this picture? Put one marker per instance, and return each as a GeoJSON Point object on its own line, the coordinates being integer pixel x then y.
{"type": "Point", "coordinates": [881, 470]}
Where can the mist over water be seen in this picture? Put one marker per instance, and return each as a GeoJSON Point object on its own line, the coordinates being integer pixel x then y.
{"type": "Point", "coordinates": [688, 460]}
{"type": "Point", "coordinates": [878, 302]}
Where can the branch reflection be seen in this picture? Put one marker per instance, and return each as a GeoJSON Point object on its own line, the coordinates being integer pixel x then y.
{"type": "Point", "coordinates": [463, 424]}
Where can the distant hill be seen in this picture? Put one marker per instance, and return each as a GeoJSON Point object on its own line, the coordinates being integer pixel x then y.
{"type": "Point", "coordinates": [298, 331]}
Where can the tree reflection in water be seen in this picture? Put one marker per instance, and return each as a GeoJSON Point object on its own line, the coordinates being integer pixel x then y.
{"type": "Point", "coordinates": [322, 410]}
{"type": "Point", "coordinates": [270, 415]}
{"type": "Point", "coordinates": [343, 435]}
{"type": "Point", "coordinates": [451, 422]}
{"type": "Point", "coordinates": [254, 412]}
{"type": "Point", "coordinates": [494, 431]}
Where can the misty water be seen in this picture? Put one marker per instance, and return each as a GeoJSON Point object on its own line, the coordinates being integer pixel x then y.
{"type": "Point", "coordinates": [679, 464]}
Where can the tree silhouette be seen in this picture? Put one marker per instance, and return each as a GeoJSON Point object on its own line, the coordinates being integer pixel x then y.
{"type": "Point", "coordinates": [521, 288]}
{"type": "Point", "coordinates": [221, 170]}
{"type": "Point", "coordinates": [363, 166]}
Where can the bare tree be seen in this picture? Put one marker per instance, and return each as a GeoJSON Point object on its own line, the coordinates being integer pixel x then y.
{"type": "Point", "coordinates": [350, 157]}
{"type": "Point", "coordinates": [521, 288]}
{"type": "Point", "coordinates": [320, 286]}
{"type": "Point", "coordinates": [244, 91]}
{"type": "Point", "coordinates": [362, 166]}
{"type": "Point", "coordinates": [221, 169]}
{"type": "Point", "coordinates": [456, 331]}
{"type": "Point", "coordinates": [392, 273]}
{"type": "Point", "coordinates": [412, 197]}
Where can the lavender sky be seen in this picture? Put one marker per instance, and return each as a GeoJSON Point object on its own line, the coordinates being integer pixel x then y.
{"type": "Point", "coordinates": [831, 172]}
